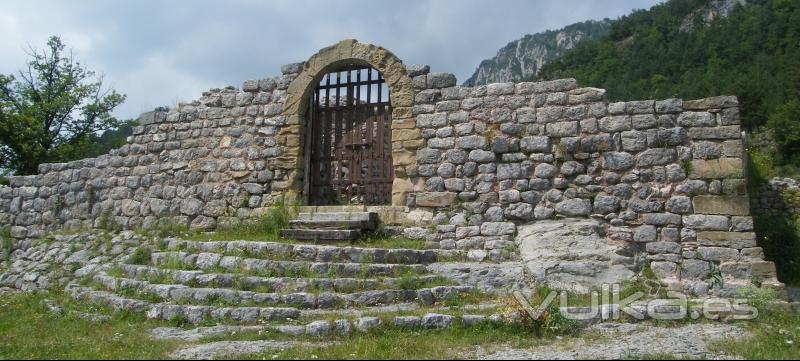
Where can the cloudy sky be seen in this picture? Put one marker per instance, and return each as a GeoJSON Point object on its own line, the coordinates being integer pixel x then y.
{"type": "Point", "coordinates": [163, 52]}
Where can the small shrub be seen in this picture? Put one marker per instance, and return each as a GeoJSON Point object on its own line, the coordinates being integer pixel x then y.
{"type": "Point", "coordinates": [140, 257]}
{"type": "Point", "coordinates": [179, 321]}
{"type": "Point", "coordinates": [6, 242]}
{"type": "Point", "coordinates": [549, 323]}
{"type": "Point", "coordinates": [106, 222]}
{"type": "Point", "coordinates": [687, 167]}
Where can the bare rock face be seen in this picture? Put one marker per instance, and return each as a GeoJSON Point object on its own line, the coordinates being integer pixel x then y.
{"type": "Point", "coordinates": [574, 254]}
{"type": "Point", "coordinates": [521, 59]}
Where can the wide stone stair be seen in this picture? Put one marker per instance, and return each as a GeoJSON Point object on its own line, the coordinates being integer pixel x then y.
{"type": "Point", "coordinates": [207, 289]}
{"type": "Point", "coordinates": [331, 226]}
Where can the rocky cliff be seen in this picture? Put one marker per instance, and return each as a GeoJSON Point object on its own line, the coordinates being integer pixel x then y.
{"type": "Point", "coordinates": [521, 59]}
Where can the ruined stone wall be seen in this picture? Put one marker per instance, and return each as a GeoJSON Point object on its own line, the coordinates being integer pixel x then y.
{"type": "Point", "coordinates": [779, 196]}
{"type": "Point", "coordinates": [665, 178]}
{"type": "Point", "coordinates": [202, 164]}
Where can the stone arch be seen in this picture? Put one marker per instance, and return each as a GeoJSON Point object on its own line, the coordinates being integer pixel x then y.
{"type": "Point", "coordinates": [405, 136]}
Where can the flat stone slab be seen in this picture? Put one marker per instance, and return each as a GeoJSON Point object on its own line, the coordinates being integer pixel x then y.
{"type": "Point", "coordinates": [573, 254]}
{"type": "Point", "coordinates": [228, 349]}
{"type": "Point", "coordinates": [196, 334]}
{"type": "Point", "coordinates": [627, 341]}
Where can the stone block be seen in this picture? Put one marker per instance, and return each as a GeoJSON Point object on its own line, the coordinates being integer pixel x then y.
{"type": "Point", "coordinates": [711, 103]}
{"type": "Point", "coordinates": [715, 133]}
{"type": "Point", "coordinates": [574, 207]}
{"type": "Point", "coordinates": [697, 119]}
{"type": "Point", "coordinates": [661, 219]}
{"type": "Point", "coordinates": [435, 199]}
{"type": "Point", "coordinates": [728, 205]}
{"type": "Point", "coordinates": [562, 129]}
{"type": "Point", "coordinates": [618, 161]}
{"type": "Point", "coordinates": [716, 168]}
{"type": "Point", "coordinates": [695, 269]}
{"type": "Point", "coordinates": [706, 222]}
{"type": "Point", "coordinates": [498, 228]}
{"type": "Point", "coordinates": [664, 270]}
{"type": "Point", "coordinates": [614, 124]}
{"type": "Point", "coordinates": [656, 156]}
{"type": "Point", "coordinates": [645, 233]}
{"type": "Point", "coordinates": [717, 254]}
{"type": "Point", "coordinates": [440, 80]}
{"type": "Point", "coordinates": [737, 240]}
{"type": "Point", "coordinates": [535, 144]}
{"type": "Point", "coordinates": [663, 247]}
{"type": "Point", "coordinates": [669, 106]}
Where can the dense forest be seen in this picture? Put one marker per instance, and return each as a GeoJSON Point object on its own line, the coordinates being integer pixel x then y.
{"type": "Point", "coordinates": [753, 53]}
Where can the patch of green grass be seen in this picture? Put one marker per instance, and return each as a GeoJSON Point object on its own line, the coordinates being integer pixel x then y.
{"type": "Point", "coordinates": [266, 227]}
{"type": "Point", "coordinates": [140, 257]}
{"type": "Point", "coordinates": [161, 277]}
{"type": "Point", "coordinates": [140, 295]}
{"type": "Point", "coordinates": [6, 243]}
{"type": "Point", "coordinates": [458, 341]}
{"type": "Point", "coordinates": [378, 240]}
{"type": "Point", "coordinates": [116, 272]}
{"type": "Point", "coordinates": [775, 333]}
{"type": "Point", "coordinates": [29, 331]}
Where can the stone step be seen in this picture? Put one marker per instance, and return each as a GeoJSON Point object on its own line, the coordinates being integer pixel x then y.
{"type": "Point", "coordinates": [190, 313]}
{"type": "Point", "coordinates": [332, 224]}
{"type": "Point", "coordinates": [317, 253]}
{"type": "Point", "coordinates": [325, 300]}
{"type": "Point", "coordinates": [333, 209]}
{"type": "Point", "coordinates": [274, 284]}
{"type": "Point", "coordinates": [341, 327]}
{"type": "Point", "coordinates": [194, 314]}
{"type": "Point", "coordinates": [370, 217]}
{"type": "Point", "coordinates": [272, 268]}
{"type": "Point", "coordinates": [322, 235]}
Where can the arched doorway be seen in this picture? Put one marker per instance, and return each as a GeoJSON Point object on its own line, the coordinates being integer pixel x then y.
{"type": "Point", "coordinates": [349, 138]}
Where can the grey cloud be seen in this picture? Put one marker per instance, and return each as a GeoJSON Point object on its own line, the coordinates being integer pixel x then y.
{"type": "Point", "coordinates": [161, 52]}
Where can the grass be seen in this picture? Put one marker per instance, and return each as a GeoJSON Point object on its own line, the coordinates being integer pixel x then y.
{"type": "Point", "coordinates": [142, 256]}
{"type": "Point", "coordinates": [29, 331]}
{"type": "Point", "coordinates": [267, 227]}
{"type": "Point", "coordinates": [775, 332]}
{"type": "Point", "coordinates": [6, 243]}
{"type": "Point", "coordinates": [394, 343]}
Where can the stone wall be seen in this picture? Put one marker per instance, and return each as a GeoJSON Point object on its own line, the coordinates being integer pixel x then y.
{"type": "Point", "coordinates": [778, 196]}
{"type": "Point", "coordinates": [667, 176]}
{"type": "Point", "coordinates": [472, 163]}
{"type": "Point", "coordinates": [201, 164]}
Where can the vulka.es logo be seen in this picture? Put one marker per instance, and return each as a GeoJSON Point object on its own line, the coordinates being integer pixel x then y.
{"type": "Point", "coordinates": [607, 305]}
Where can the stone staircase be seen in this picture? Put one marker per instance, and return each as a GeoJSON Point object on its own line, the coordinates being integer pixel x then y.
{"type": "Point", "coordinates": [331, 226]}
{"type": "Point", "coordinates": [299, 289]}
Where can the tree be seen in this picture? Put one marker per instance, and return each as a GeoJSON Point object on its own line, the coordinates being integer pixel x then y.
{"type": "Point", "coordinates": [54, 107]}
{"type": "Point", "coordinates": [785, 126]}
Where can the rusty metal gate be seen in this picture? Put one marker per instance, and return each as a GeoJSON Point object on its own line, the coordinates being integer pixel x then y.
{"type": "Point", "coordinates": [348, 142]}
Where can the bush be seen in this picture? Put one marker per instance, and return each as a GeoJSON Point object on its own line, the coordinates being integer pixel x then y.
{"type": "Point", "coordinates": [141, 256]}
